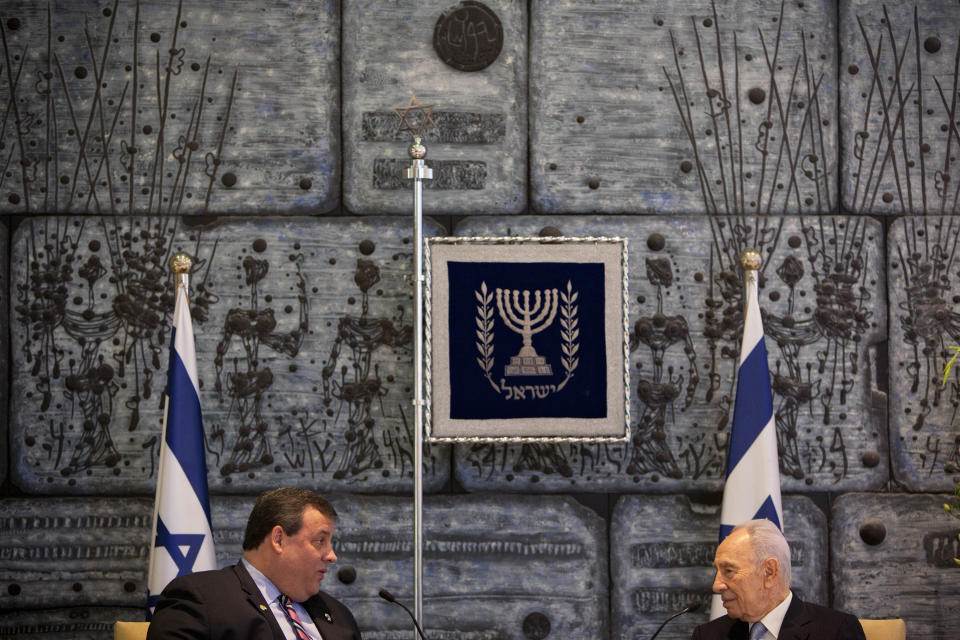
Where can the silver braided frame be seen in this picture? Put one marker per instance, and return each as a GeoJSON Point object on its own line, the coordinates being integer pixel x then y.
{"type": "Point", "coordinates": [428, 340]}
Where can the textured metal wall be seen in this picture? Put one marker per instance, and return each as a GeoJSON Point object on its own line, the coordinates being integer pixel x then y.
{"type": "Point", "coordinates": [304, 333]}
{"type": "Point", "coordinates": [657, 533]}
{"type": "Point", "coordinates": [262, 140]}
{"type": "Point", "coordinates": [163, 107]}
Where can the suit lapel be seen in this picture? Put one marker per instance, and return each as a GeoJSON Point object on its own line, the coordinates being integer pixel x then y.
{"type": "Point", "coordinates": [795, 621]}
{"type": "Point", "coordinates": [256, 600]}
{"type": "Point", "coordinates": [322, 617]}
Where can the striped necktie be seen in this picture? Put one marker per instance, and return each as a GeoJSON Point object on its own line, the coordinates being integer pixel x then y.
{"type": "Point", "coordinates": [292, 617]}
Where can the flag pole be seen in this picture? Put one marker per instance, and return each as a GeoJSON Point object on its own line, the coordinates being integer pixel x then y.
{"type": "Point", "coordinates": [181, 535]}
{"type": "Point", "coordinates": [418, 171]}
{"type": "Point", "coordinates": [415, 118]}
{"type": "Point", "coordinates": [180, 265]}
{"type": "Point", "coordinates": [751, 489]}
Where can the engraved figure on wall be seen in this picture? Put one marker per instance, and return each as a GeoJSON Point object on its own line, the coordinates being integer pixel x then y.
{"type": "Point", "coordinates": [255, 328]}
{"type": "Point", "coordinates": [351, 376]}
{"type": "Point", "coordinates": [660, 333]}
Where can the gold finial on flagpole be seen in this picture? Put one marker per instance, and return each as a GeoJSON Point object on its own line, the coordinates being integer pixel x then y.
{"type": "Point", "coordinates": [180, 264]}
{"type": "Point", "coordinates": [750, 260]}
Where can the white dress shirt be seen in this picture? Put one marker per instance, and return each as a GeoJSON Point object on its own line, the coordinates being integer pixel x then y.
{"type": "Point", "coordinates": [774, 619]}
{"type": "Point", "coordinates": [270, 594]}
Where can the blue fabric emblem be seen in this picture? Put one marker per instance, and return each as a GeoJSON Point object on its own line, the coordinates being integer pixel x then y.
{"type": "Point", "coordinates": [527, 340]}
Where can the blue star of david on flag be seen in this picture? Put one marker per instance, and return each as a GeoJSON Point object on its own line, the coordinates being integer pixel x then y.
{"type": "Point", "coordinates": [182, 547]}
{"type": "Point", "coordinates": [182, 534]}
{"type": "Point", "coordinates": [752, 487]}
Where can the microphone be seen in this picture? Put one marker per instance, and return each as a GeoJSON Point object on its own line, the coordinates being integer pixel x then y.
{"type": "Point", "coordinates": [693, 606]}
{"type": "Point", "coordinates": [386, 595]}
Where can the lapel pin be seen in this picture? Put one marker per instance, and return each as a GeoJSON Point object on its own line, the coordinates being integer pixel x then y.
{"type": "Point", "coordinates": [327, 616]}
{"type": "Point", "coordinates": [263, 607]}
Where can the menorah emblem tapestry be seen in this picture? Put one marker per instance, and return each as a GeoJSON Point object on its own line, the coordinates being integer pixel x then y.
{"type": "Point", "coordinates": [527, 321]}
{"type": "Point", "coordinates": [526, 339]}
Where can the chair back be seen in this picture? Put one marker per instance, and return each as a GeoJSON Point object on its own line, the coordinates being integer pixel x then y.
{"type": "Point", "coordinates": [130, 630]}
{"type": "Point", "coordinates": [892, 629]}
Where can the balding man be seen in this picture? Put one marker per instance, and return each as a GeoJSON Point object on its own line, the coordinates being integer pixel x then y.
{"type": "Point", "coordinates": [753, 580]}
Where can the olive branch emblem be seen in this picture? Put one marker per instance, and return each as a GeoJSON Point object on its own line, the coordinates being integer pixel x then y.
{"type": "Point", "coordinates": [570, 331]}
{"type": "Point", "coordinates": [485, 332]}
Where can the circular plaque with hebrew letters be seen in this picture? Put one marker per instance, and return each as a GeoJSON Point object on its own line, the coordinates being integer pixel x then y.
{"type": "Point", "coordinates": [469, 36]}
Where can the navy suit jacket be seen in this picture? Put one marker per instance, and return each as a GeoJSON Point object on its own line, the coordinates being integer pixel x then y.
{"type": "Point", "coordinates": [226, 604]}
{"type": "Point", "coordinates": [803, 621]}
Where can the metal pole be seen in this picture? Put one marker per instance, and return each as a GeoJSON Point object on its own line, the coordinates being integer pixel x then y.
{"type": "Point", "coordinates": [418, 171]}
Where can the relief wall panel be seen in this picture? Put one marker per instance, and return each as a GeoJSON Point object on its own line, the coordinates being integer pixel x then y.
{"type": "Point", "coordinates": [663, 560]}
{"type": "Point", "coordinates": [683, 107]}
{"type": "Point", "coordinates": [171, 107]}
{"type": "Point", "coordinates": [923, 333]}
{"type": "Point", "coordinates": [892, 557]}
{"type": "Point", "coordinates": [303, 330]}
{"type": "Point", "coordinates": [73, 553]}
{"type": "Point", "coordinates": [74, 623]}
{"type": "Point", "coordinates": [478, 150]}
{"type": "Point", "coordinates": [898, 104]}
{"type": "Point", "coordinates": [486, 561]}
{"type": "Point", "coordinates": [820, 294]}
{"type": "Point", "coordinates": [4, 349]}
{"type": "Point", "coordinates": [131, 130]}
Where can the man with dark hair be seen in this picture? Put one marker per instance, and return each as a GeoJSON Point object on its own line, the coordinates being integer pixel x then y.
{"type": "Point", "coordinates": [273, 593]}
{"type": "Point", "coordinates": [753, 580]}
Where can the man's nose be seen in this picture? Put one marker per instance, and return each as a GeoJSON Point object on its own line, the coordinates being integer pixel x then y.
{"type": "Point", "coordinates": [718, 584]}
{"type": "Point", "coordinates": [331, 557]}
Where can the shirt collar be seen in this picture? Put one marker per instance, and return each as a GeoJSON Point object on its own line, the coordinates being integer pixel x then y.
{"type": "Point", "coordinates": [774, 619]}
{"type": "Point", "coordinates": [267, 588]}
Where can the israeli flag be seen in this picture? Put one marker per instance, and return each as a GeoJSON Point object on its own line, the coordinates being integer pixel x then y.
{"type": "Point", "coordinates": [752, 487]}
{"type": "Point", "coordinates": [182, 533]}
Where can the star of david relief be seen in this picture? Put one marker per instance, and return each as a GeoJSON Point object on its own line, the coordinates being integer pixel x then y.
{"type": "Point", "coordinates": [415, 117]}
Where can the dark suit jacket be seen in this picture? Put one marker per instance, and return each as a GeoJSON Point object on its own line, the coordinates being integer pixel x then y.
{"type": "Point", "coordinates": [227, 605]}
{"type": "Point", "coordinates": [803, 621]}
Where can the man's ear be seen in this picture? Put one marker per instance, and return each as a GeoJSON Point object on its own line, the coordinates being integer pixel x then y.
{"type": "Point", "coordinates": [771, 571]}
{"type": "Point", "coordinates": [276, 538]}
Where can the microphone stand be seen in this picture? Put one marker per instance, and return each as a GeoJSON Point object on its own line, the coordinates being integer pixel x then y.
{"type": "Point", "coordinates": [386, 595]}
{"type": "Point", "coordinates": [693, 606]}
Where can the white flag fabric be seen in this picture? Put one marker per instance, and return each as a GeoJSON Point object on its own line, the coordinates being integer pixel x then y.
{"type": "Point", "coordinates": [752, 487]}
{"type": "Point", "coordinates": [182, 532]}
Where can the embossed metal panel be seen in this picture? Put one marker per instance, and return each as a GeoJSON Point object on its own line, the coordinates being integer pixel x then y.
{"type": "Point", "coordinates": [71, 567]}
{"type": "Point", "coordinates": [676, 107]}
{"type": "Point", "coordinates": [898, 86]}
{"type": "Point", "coordinates": [478, 151]}
{"type": "Point", "coordinates": [892, 557]}
{"type": "Point", "coordinates": [663, 555]}
{"type": "Point", "coordinates": [4, 347]}
{"type": "Point", "coordinates": [304, 335]}
{"type": "Point", "coordinates": [74, 552]}
{"type": "Point", "coordinates": [75, 623]}
{"type": "Point", "coordinates": [167, 107]}
{"type": "Point", "coordinates": [77, 552]}
{"type": "Point", "coordinates": [494, 566]}
{"type": "Point", "coordinates": [923, 328]}
{"type": "Point", "coordinates": [819, 296]}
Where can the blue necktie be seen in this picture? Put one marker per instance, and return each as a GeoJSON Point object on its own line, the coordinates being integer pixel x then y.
{"type": "Point", "coordinates": [756, 633]}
